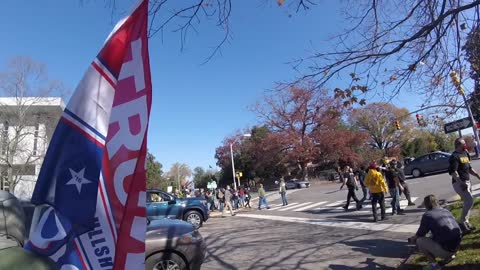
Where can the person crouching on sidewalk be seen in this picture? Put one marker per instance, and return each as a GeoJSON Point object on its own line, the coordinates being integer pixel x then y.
{"type": "Point", "coordinates": [446, 234]}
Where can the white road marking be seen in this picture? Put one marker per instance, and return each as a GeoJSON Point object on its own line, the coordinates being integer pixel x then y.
{"type": "Point", "coordinates": [276, 208]}
{"type": "Point", "coordinates": [403, 205]}
{"type": "Point", "coordinates": [337, 203]}
{"type": "Point", "coordinates": [369, 226]}
{"type": "Point", "coordinates": [310, 206]}
{"type": "Point", "coordinates": [295, 206]}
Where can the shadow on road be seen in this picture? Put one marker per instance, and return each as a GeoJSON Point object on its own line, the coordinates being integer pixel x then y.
{"type": "Point", "coordinates": [269, 245]}
{"type": "Point", "coordinates": [369, 263]}
{"type": "Point", "coordinates": [380, 247]}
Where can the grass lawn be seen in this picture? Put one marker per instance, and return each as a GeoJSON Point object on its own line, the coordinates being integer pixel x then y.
{"type": "Point", "coordinates": [468, 256]}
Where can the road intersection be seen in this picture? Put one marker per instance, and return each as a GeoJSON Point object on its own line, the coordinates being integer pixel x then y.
{"type": "Point", "coordinates": [315, 232]}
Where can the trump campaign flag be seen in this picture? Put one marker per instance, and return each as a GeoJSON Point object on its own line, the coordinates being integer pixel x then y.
{"type": "Point", "coordinates": [92, 183]}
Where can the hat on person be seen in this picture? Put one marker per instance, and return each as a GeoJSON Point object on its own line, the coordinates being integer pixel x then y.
{"type": "Point", "coordinates": [373, 165]}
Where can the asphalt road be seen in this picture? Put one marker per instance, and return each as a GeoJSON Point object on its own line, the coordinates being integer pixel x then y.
{"type": "Point", "coordinates": [314, 232]}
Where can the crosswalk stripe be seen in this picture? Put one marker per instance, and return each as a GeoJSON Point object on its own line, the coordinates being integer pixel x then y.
{"type": "Point", "coordinates": [403, 205]}
{"type": "Point", "coordinates": [309, 206]}
{"type": "Point", "coordinates": [337, 203]}
{"type": "Point", "coordinates": [295, 206]}
{"type": "Point", "coordinates": [278, 207]}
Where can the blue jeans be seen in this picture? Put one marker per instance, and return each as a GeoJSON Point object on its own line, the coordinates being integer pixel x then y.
{"type": "Point", "coordinates": [261, 201]}
{"type": "Point", "coordinates": [242, 201]}
{"type": "Point", "coordinates": [235, 204]}
{"type": "Point", "coordinates": [284, 198]}
{"type": "Point", "coordinates": [395, 199]}
{"type": "Point", "coordinates": [221, 206]}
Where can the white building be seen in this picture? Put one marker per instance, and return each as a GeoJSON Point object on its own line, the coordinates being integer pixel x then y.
{"type": "Point", "coordinates": [26, 127]}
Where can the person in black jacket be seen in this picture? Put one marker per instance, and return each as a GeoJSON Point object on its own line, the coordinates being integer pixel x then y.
{"type": "Point", "coordinates": [350, 181]}
{"type": "Point", "coordinates": [460, 170]}
{"type": "Point", "coordinates": [401, 177]}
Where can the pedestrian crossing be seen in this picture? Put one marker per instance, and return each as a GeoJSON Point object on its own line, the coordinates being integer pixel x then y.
{"type": "Point", "coordinates": [334, 206]}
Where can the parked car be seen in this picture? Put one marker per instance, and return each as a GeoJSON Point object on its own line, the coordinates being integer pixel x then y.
{"type": "Point", "coordinates": [296, 183]}
{"type": "Point", "coordinates": [161, 204]}
{"type": "Point", "coordinates": [173, 244]}
{"type": "Point", "coordinates": [429, 163]}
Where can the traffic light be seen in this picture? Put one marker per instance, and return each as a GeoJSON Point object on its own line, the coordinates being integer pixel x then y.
{"type": "Point", "coordinates": [397, 124]}
{"type": "Point", "coordinates": [420, 120]}
{"type": "Point", "coordinates": [456, 82]}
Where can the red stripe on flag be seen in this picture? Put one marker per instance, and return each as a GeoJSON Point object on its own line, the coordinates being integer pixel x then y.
{"type": "Point", "coordinates": [82, 260]}
{"type": "Point", "coordinates": [104, 75]}
{"type": "Point", "coordinates": [107, 209]}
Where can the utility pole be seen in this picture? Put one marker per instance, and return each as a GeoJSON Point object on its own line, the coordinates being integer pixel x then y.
{"type": "Point", "coordinates": [461, 91]}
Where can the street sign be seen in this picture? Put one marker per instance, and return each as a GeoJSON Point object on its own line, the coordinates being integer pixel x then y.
{"type": "Point", "coordinates": [458, 125]}
{"type": "Point", "coordinates": [212, 185]}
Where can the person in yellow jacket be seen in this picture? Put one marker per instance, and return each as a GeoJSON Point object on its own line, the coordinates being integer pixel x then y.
{"type": "Point", "coordinates": [377, 186]}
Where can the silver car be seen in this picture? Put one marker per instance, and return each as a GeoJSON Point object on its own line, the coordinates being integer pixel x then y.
{"type": "Point", "coordinates": [173, 245]}
{"type": "Point", "coordinates": [296, 183]}
{"type": "Point", "coordinates": [429, 163]}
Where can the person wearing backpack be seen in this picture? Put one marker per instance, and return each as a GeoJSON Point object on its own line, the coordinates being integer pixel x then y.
{"type": "Point", "coordinates": [350, 181]}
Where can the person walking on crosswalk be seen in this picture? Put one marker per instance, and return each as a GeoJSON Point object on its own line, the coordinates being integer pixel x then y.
{"type": "Point", "coordinates": [262, 199]}
{"type": "Point", "coordinates": [401, 177]}
{"type": "Point", "coordinates": [375, 182]}
{"type": "Point", "coordinates": [228, 202]}
{"type": "Point", "coordinates": [350, 181]}
{"type": "Point", "coordinates": [361, 178]}
{"type": "Point", "coordinates": [283, 192]}
{"type": "Point", "coordinates": [394, 186]}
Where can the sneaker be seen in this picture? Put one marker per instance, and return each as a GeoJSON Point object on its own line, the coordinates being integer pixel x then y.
{"type": "Point", "coordinates": [268, 207]}
{"type": "Point", "coordinates": [470, 226]}
{"type": "Point", "coordinates": [411, 204]}
{"type": "Point", "coordinates": [447, 260]}
{"type": "Point", "coordinates": [233, 214]}
{"type": "Point", "coordinates": [345, 207]}
{"type": "Point", "coordinates": [465, 229]}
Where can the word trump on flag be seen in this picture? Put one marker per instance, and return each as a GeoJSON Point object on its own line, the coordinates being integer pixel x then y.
{"type": "Point", "coordinates": [91, 190]}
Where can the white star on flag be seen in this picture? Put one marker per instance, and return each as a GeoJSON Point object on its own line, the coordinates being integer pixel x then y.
{"type": "Point", "coordinates": [78, 179]}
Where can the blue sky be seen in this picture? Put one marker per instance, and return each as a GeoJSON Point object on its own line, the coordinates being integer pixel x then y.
{"type": "Point", "coordinates": [195, 106]}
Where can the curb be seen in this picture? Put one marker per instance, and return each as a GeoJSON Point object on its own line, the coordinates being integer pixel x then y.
{"type": "Point", "coordinates": [218, 214]}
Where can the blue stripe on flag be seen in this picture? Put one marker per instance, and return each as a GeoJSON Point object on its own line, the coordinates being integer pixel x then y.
{"type": "Point", "coordinates": [84, 123]}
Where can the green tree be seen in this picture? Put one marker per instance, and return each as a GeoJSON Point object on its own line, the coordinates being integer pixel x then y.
{"type": "Point", "coordinates": [201, 177]}
{"type": "Point", "coordinates": [154, 173]}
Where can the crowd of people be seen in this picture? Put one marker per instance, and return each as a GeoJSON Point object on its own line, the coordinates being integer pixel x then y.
{"type": "Point", "coordinates": [375, 181]}
{"type": "Point", "coordinates": [227, 199]}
